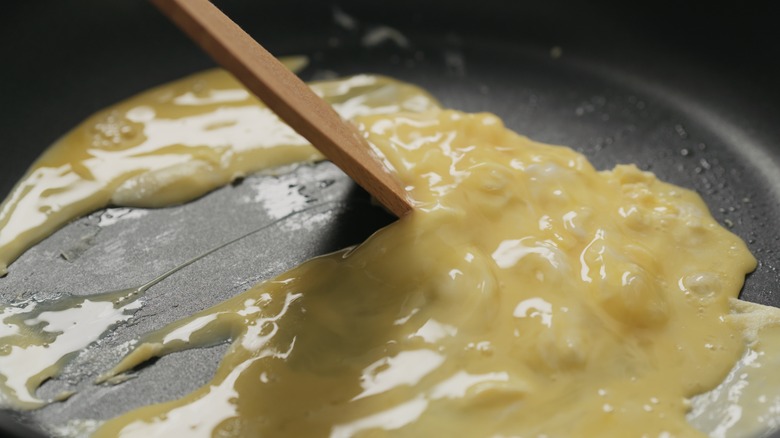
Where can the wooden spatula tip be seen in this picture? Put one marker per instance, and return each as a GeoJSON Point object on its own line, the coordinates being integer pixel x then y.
{"type": "Point", "coordinates": [285, 94]}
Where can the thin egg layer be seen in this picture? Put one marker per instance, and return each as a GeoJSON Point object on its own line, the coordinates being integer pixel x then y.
{"type": "Point", "coordinates": [172, 144]}
{"type": "Point", "coordinates": [747, 401]}
{"type": "Point", "coordinates": [527, 295]}
{"type": "Point", "coordinates": [165, 146]}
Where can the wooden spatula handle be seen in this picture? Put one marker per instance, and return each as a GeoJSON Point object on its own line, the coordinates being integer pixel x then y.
{"type": "Point", "coordinates": [289, 97]}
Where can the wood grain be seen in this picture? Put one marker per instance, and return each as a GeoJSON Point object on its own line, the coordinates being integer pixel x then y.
{"type": "Point", "coordinates": [289, 97]}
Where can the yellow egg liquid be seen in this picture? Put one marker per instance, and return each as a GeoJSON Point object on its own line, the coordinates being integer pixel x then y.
{"type": "Point", "coordinates": [527, 295]}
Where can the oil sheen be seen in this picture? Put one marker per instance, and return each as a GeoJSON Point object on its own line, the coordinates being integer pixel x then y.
{"type": "Point", "coordinates": [527, 295]}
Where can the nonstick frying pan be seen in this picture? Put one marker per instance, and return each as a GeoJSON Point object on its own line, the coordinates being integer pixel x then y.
{"type": "Point", "coordinates": [685, 91]}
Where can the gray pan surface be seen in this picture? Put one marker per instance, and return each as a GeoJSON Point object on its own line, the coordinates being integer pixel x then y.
{"type": "Point", "coordinates": [595, 79]}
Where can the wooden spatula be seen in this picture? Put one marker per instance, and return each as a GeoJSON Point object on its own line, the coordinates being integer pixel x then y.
{"type": "Point", "coordinates": [285, 94]}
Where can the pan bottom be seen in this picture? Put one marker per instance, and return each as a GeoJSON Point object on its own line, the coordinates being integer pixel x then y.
{"type": "Point", "coordinates": [612, 116]}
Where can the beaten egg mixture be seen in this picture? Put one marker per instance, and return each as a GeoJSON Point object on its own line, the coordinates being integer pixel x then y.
{"type": "Point", "coordinates": [527, 295]}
